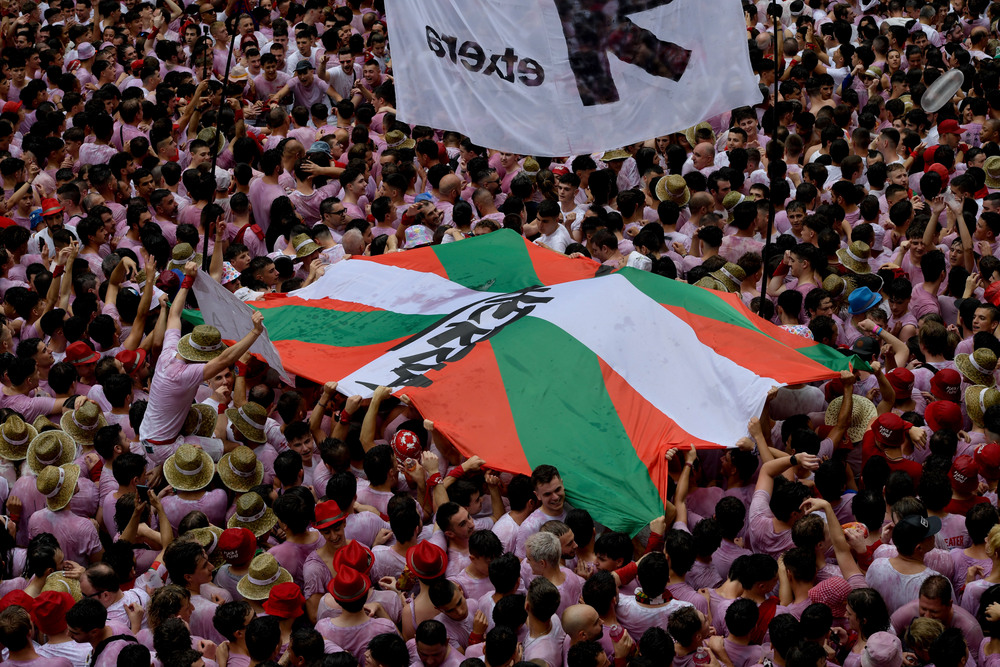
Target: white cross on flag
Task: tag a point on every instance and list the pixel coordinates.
(564, 77)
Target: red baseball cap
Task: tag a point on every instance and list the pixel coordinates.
(355, 556)
(944, 415)
(285, 601)
(988, 460)
(80, 353)
(17, 598)
(946, 385)
(49, 614)
(11, 106)
(406, 444)
(427, 560)
(949, 126)
(328, 513)
(992, 293)
(941, 171)
(964, 474)
(901, 380)
(131, 360)
(928, 156)
(237, 545)
(890, 429)
(348, 586)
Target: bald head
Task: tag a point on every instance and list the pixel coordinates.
(701, 202)
(450, 187)
(578, 621)
(979, 36)
(353, 242)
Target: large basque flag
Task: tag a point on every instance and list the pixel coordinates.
(524, 356)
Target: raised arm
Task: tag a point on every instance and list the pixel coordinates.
(319, 410)
(842, 550)
(846, 408)
(368, 425)
(139, 323)
(771, 469)
(234, 352)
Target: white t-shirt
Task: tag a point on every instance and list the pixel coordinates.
(557, 240)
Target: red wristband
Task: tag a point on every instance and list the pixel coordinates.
(241, 369)
(59, 271)
(781, 270)
(239, 114)
(457, 472)
(187, 282)
(345, 417)
(433, 480)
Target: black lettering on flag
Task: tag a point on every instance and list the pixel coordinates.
(591, 35)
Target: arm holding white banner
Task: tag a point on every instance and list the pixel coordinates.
(233, 318)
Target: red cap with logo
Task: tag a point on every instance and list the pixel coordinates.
(890, 429)
(901, 380)
(946, 385)
(406, 444)
(988, 460)
(964, 474)
(237, 545)
(944, 415)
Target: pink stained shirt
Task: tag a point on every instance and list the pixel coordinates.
(923, 302)
(637, 618)
(474, 588)
(763, 538)
(355, 639)
(292, 555)
(214, 504)
(387, 563)
(362, 526)
(452, 659)
(76, 535)
(39, 662)
(171, 393)
(261, 196)
(897, 589)
(548, 647)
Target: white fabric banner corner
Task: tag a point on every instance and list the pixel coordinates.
(566, 77)
(223, 310)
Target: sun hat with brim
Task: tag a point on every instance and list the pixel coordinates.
(992, 169)
(978, 367)
(673, 188)
(304, 246)
(862, 300)
(863, 413)
(59, 582)
(883, 649)
(83, 423)
(731, 201)
(285, 601)
(355, 556)
(396, 139)
(731, 276)
(131, 360)
(418, 235)
(80, 353)
(349, 585)
(181, 255)
(15, 436)
(328, 513)
(51, 207)
(203, 344)
(200, 421)
(50, 448)
(616, 154)
(426, 560)
(689, 133)
(189, 468)
(708, 282)
(209, 134)
(253, 514)
(208, 538)
(838, 286)
(43, 423)
(855, 257)
(58, 485)
(240, 470)
(978, 398)
(249, 419)
(264, 574)
(229, 273)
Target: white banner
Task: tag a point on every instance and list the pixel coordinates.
(224, 311)
(565, 77)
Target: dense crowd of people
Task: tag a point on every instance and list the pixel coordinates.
(169, 500)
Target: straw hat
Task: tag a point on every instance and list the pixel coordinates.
(60, 583)
(855, 257)
(690, 132)
(530, 167)
(978, 367)
(15, 436)
(264, 574)
(674, 188)
(249, 419)
(977, 399)
(203, 344)
(208, 538)
(731, 201)
(253, 514)
(83, 422)
(396, 139)
(58, 485)
(189, 468)
(708, 282)
(181, 255)
(863, 414)
(992, 169)
(730, 276)
(240, 470)
(50, 448)
(209, 134)
(616, 154)
(200, 421)
(304, 246)
(838, 285)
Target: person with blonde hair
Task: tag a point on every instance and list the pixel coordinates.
(919, 637)
(974, 590)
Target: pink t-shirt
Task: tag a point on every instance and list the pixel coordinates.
(760, 527)
(548, 647)
(387, 563)
(76, 535)
(896, 588)
(171, 392)
(292, 555)
(637, 618)
(923, 302)
(214, 504)
(354, 639)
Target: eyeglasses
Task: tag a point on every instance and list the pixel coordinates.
(92, 595)
(339, 212)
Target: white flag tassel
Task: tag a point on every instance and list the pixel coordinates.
(565, 77)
